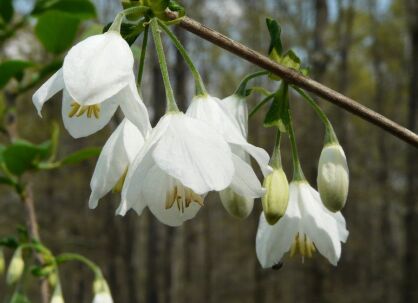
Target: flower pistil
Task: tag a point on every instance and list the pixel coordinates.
(303, 245)
(182, 196)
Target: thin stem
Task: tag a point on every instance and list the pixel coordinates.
(297, 169)
(200, 86)
(330, 136)
(171, 102)
(142, 57)
(259, 105)
(276, 159)
(67, 257)
(242, 87)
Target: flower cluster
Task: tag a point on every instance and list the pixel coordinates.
(170, 168)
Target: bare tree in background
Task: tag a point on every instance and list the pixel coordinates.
(411, 217)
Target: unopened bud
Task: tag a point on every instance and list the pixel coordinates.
(16, 268)
(333, 177)
(2, 262)
(236, 205)
(101, 291)
(277, 195)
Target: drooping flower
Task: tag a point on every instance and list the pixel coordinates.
(333, 177)
(307, 226)
(181, 161)
(229, 118)
(117, 153)
(96, 77)
(101, 291)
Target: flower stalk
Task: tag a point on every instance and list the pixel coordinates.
(200, 87)
(171, 102)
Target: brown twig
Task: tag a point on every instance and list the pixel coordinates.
(26, 194)
(293, 77)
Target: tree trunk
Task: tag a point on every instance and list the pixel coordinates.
(411, 217)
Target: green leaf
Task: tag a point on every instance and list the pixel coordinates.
(81, 9)
(9, 242)
(291, 60)
(22, 155)
(275, 39)
(12, 69)
(81, 155)
(6, 10)
(278, 114)
(176, 7)
(56, 30)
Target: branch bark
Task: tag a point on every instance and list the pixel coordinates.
(293, 77)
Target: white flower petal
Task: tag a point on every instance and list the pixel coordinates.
(272, 242)
(196, 155)
(83, 126)
(134, 108)
(207, 109)
(245, 181)
(138, 170)
(156, 198)
(320, 226)
(132, 140)
(237, 108)
(97, 68)
(114, 159)
(52, 86)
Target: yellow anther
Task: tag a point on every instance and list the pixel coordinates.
(118, 187)
(91, 110)
(74, 109)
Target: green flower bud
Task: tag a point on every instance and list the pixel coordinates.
(333, 177)
(16, 268)
(2, 262)
(236, 205)
(277, 195)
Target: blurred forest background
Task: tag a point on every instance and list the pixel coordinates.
(365, 49)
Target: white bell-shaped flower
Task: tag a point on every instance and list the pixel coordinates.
(333, 177)
(237, 205)
(182, 159)
(96, 77)
(307, 226)
(117, 153)
(231, 123)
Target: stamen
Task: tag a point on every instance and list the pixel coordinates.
(74, 109)
(183, 197)
(303, 245)
(91, 110)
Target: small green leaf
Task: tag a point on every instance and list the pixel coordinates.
(81, 155)
(81, 9)
(6, 10)
(12, 69)
(291, 60)
(22, 155)
(275, 39)
(9, 242)
(56, 30)
(176, 7)
(278, 114)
